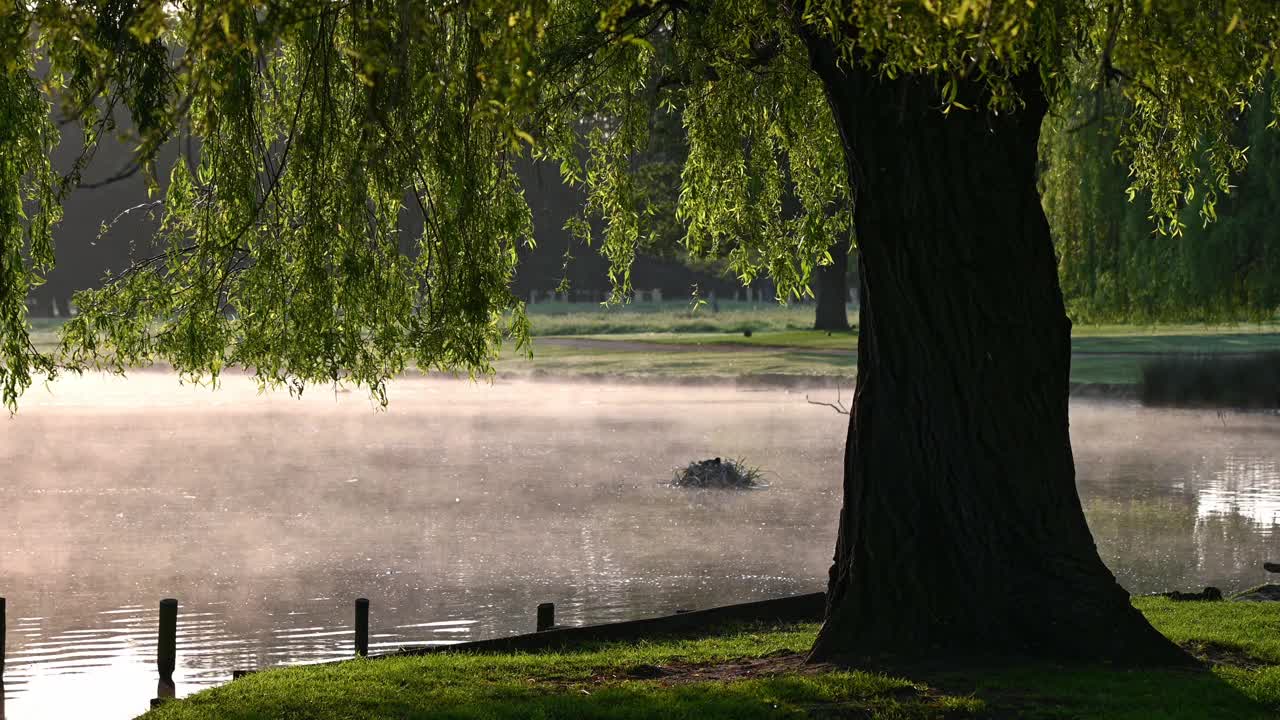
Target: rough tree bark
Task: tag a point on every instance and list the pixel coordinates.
(962, 530)
(833, 291)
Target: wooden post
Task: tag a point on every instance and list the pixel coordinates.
(362, 626)
(167, 641)
(1, 648)
(546, 616)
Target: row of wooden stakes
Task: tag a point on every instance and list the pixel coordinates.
(167, 639)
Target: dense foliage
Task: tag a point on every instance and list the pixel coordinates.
(1112, 263)
(319, 127)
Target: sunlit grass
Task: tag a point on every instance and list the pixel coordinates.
(557, 361)
(1249, 627)
(600, 681)
(782, 346)
(669, 317)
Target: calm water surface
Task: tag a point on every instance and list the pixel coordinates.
(462, 506)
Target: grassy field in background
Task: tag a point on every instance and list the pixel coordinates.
(756, 672)
(807, 339)
(782, 342)
(557, 361)
(668, 317)
(783, 347)
(767, 365)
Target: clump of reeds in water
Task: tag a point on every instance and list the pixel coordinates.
(1229, 381)
(717, 473)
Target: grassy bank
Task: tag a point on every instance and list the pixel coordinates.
(684, 343)
(660, 365)
(669, 317)
(1106, 359)
(758, 673)
(670, 341)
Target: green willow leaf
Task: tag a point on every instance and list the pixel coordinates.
(352, 207)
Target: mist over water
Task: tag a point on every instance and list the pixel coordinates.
(463, 505)
(1179, 499)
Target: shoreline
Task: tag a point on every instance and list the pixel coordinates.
(758, 669)
(748, 381)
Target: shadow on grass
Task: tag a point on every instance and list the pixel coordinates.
(1122, 694)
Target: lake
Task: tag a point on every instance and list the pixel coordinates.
(462, 506)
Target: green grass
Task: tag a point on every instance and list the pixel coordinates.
(44, 332)
(807, 339)
(600, 681)
(1106, 354)
(1233, 342)
(1249, 627)
(678, 317)
(591, 362)
(1162, 330)
(1084, 340)
(1114, 370)
(783, 348)
(667, 317)
(1102, 360)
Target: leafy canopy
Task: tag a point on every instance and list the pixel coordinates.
(1113, 267)
(323, 132)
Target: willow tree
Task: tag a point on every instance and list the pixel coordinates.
(1112, 265)
(320, 126)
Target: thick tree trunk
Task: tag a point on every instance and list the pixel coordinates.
(833, 291)
(962, 529)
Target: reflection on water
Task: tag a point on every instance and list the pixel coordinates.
(1180, 499)
(462, 507)
(1243, 487)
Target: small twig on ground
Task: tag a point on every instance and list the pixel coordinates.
(838, 405)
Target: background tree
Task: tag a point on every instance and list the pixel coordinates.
(279, 248)
(831, 290)
(1111, 263)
